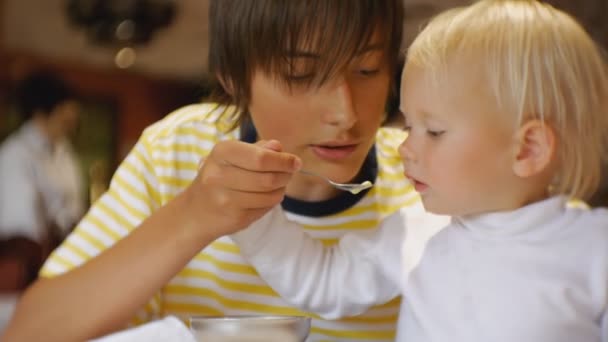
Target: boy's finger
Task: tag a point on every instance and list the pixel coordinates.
(255, 182)
(261, 157)
(274, 145)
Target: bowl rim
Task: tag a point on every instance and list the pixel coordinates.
(249, 318)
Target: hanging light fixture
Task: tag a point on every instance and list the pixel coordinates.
(121, 23)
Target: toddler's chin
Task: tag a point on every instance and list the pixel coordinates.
(436, 209)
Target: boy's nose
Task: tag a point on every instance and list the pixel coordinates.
(341, 110)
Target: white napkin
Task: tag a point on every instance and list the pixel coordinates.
(169, 329)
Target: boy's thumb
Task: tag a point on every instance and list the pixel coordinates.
(274, 145)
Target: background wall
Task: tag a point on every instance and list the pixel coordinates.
(40, 27)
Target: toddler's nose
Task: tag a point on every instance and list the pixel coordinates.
(406, 152)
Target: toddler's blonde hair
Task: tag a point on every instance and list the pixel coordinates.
(539, 63)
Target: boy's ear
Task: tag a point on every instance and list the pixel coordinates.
(535, 148)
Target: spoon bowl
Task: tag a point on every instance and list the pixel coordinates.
(353, 188)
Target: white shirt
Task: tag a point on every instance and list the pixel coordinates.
(536, 274)
(39, 184)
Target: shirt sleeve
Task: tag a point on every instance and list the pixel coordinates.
(20, 211)
(604, 327)
(362, 270)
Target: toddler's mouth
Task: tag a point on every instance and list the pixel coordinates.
(418, 185)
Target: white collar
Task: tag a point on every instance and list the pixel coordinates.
(532, 217)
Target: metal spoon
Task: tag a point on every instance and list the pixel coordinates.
(353, 188)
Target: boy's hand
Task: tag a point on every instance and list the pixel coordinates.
(239, 182)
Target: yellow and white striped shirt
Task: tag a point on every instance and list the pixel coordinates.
(218, 281)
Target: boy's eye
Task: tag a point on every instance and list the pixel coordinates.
(368, 68)
(300, 78)
(368, 72)
(300, 70)
(369, 63)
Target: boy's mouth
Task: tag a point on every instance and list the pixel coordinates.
(333, 151)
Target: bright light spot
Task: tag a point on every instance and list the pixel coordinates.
(125, 30)
(125, 58)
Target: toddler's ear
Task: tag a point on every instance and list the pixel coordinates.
(535, 148)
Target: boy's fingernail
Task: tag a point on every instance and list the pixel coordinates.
(274, 145)
(297, 163)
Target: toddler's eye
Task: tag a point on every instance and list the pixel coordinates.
(434, 134)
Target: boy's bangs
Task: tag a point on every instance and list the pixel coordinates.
(313, 41)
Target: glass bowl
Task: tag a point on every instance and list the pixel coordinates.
(250, 328)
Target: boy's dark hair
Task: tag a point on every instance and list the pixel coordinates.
(41, 92)
(249, 35)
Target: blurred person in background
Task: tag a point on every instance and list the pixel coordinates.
(40, 180)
